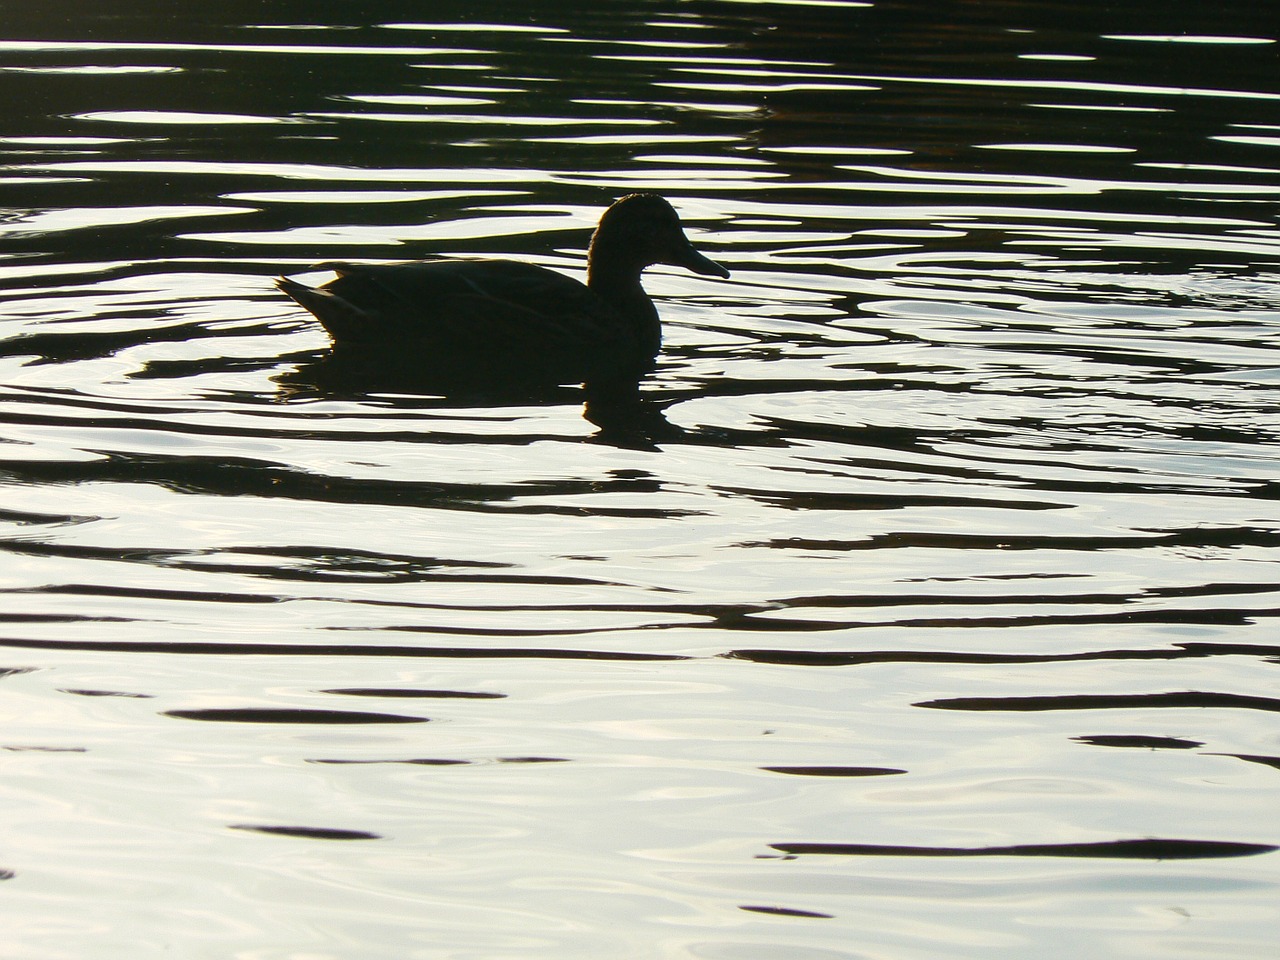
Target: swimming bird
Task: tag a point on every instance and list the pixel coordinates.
(506, 319)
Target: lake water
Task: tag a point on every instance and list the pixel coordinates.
(933, 619)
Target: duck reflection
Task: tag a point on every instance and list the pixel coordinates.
(616, 406)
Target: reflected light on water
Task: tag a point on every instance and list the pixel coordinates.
(919, 605)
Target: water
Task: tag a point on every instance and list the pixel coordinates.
(933, 618)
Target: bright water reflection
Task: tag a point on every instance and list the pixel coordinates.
(928, 616)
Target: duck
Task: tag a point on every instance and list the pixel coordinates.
(504, 319)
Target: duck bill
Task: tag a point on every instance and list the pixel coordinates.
(691, 259)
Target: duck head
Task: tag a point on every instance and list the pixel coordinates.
(640, 230)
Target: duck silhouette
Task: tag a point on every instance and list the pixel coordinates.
(506, 321)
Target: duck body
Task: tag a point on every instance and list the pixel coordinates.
(511, 320)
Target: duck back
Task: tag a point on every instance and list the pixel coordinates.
(477, 311)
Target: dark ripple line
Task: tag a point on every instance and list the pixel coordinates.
(137, 420)
(307, 833)
(1145, 849)
(444, 762)
(1138, 741)
(1193, 537)
(836, 771)
(787, 912)
(881, 501)
(740, 617)
(296, 574)
(334, 650)
(93, 345)
(719, 612)
(822, 658)
(864, 601)
(1106, 701)
(24, 518)
(492, 631)
(289, 715)
(974, 466)
(13, 748)
(409, 694)
(61, 618)
(1216, 617)
(107, 693)
(191, 560)
(1273, 762)
(143, 593)
(236, 477)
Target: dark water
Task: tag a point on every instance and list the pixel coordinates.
(932, 617)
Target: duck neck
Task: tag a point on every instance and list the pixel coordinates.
(612, 280)
(617, 283)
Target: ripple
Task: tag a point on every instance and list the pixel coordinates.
(1146, 849)
(974, 430)
(93, 70)
(174, 117)
(1187, 38)
(289, 715)
(1083, 701)
(307, 833)
(399, 692)
(836, 771)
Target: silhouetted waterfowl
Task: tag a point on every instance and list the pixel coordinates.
(504, 319)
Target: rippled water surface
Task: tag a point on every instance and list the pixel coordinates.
(928, 613)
